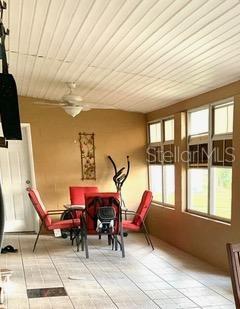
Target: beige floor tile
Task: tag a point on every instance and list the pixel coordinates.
(210, 300)
(176, 303)
(18, 302)
(51, 303)
(164, 278)
(221, 307)
(136, 305)
(197, 291)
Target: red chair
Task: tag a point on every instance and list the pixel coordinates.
(89, 219)
(233, 252)
(46, 220)
(138, 221)
(77, 196)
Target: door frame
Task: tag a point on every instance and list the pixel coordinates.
(32, 169)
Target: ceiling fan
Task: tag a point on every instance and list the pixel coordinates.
(73, 103)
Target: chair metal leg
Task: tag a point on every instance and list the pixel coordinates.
(147, 236)
(82, 239)
(109, 239)
(112, 242)
(86, 245)
(77, 239)
(122, 243)
(71, 236)
(35, 244)
(115, 242)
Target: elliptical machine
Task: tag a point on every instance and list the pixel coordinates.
(119, 178)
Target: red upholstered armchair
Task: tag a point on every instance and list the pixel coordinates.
(137, 223)
(46, 220)
(77, 196)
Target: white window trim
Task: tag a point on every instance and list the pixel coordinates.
(222, 135)
(208, 139)
(195, 136)
(195, 140)
(219, 137)
(162, 143)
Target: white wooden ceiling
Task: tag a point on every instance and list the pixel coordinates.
(138, 55)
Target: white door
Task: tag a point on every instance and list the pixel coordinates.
(15, 175)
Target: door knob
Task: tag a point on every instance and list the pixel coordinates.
(28, 182)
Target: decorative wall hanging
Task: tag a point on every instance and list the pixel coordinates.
(87, 148)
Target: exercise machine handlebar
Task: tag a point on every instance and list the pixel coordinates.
(119, 178)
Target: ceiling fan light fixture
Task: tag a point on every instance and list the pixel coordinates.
(73, 110)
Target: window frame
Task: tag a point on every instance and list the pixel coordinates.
(221, 135)
(162, 144)
(197, 109)
(148, 133)
(211, 206)
(207, 138)
(163, 131)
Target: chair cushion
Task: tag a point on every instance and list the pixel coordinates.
(143, 208)
(130, 226)
(39, 206)
(77, 194)
(64, 224)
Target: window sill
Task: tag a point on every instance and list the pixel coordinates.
(163, 205)
(206, 217)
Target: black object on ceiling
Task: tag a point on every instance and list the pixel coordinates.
(8, 91)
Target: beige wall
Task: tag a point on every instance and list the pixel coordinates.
(57, 155)
(204, 238)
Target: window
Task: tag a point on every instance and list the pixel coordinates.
(155, 132)
(155, 177)
(223, 118)
(221, 192)
(169, 130)
(161, 161)
(210, 160)
(169, 184)
(198, 189)
(198, 122)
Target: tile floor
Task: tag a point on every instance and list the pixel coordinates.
(164, 278)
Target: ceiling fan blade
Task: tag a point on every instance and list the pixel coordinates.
(90, 105)
(56, 104)
(86, 108)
